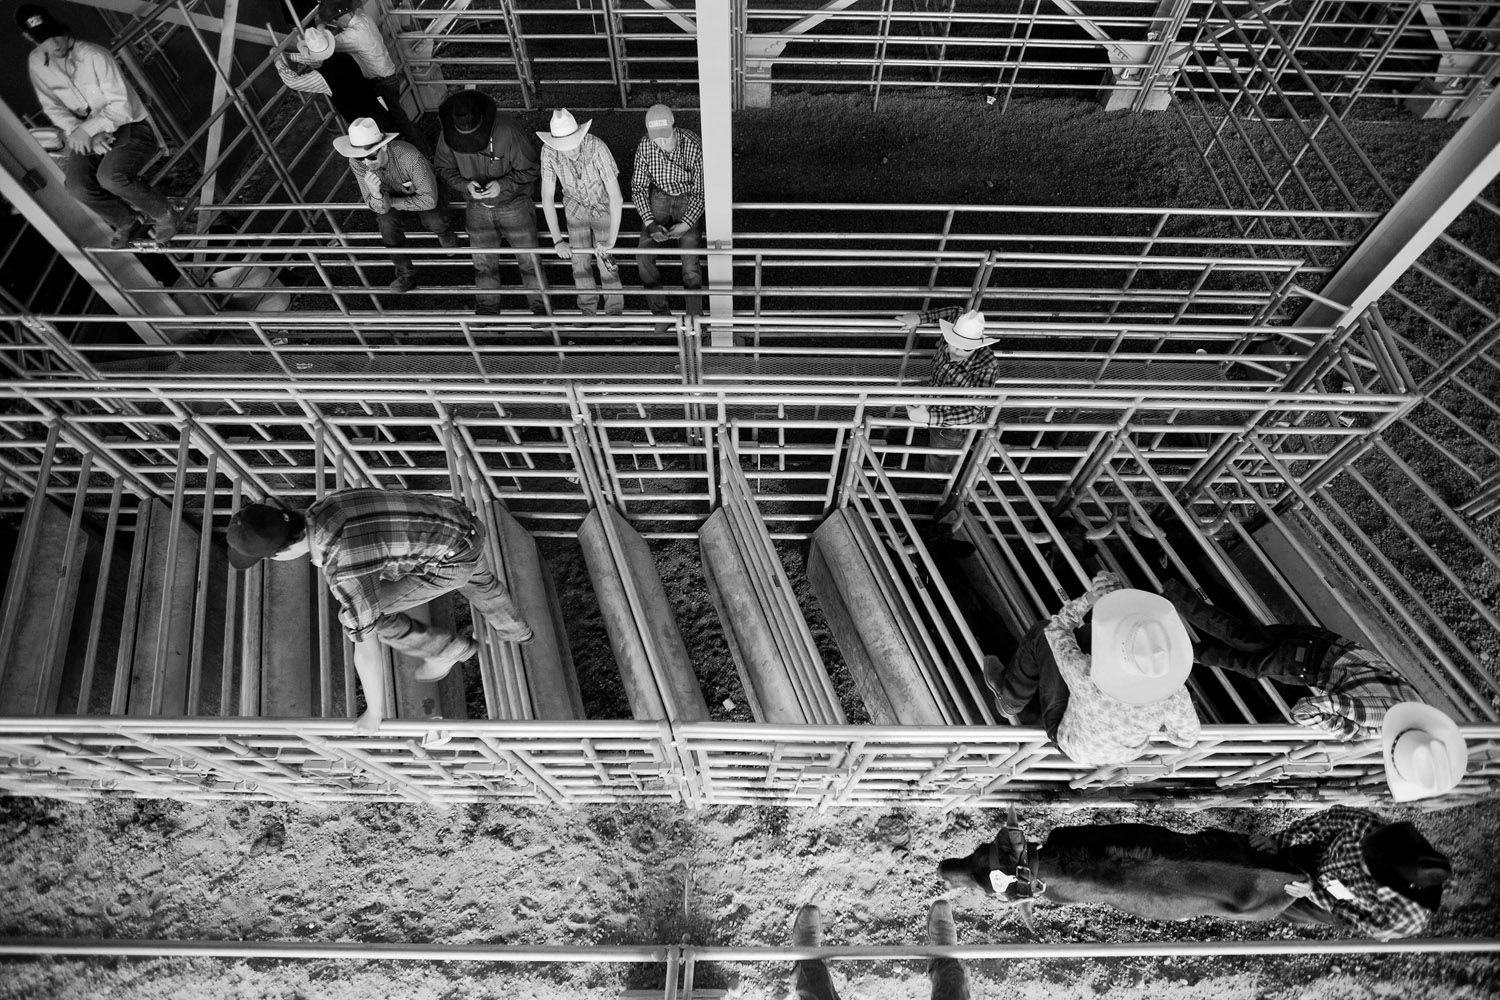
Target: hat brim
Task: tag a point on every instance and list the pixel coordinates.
(1435, 723)
(348, 149)
(243, 560)
(1108, 673)
(958, 340)
(566, 142)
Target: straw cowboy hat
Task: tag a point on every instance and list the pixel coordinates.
(316, 44)
(967, 332)
(566, 133)
(363, 139)
(1425, 754)
(1141, 651)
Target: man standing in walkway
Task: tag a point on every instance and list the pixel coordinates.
(583, 165)
(484, 155)
(384, 552)
(357, 35)
(963, 359)
(398, 184)
(667, 187)
(321, 70)
(107, 129)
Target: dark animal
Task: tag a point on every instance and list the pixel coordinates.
(1145, 870)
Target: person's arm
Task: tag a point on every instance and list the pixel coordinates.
(1072, 661)
(369, 665)
(1320, 827)
(420, 192)
(57, 112)
(693, 214)
(1319, 713)
(447, 171)
(370, 187)
(616, 204)
(311, 82)
(1180, 721)
(96, 62)
(549, 209)
(523, 167)
(911, 320)
(640, 185)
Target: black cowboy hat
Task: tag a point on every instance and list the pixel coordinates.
(1400, 858)
(467, 118)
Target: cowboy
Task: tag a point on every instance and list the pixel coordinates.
(399, 186)
(489, 159)
(1104, 707)
(321, 70)
(382, 553)
(1352, 688)
(107, 129)
(810, 978)
(586, 169)
(667, 188)
(963, 359)
(1381, 879)
(356, 34)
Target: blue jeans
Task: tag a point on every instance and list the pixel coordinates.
(949, 980)
(516, 222)
(394, 223)
(667, 209)
(112, 184)
(945, 437)
(585, 229)
(468, 572)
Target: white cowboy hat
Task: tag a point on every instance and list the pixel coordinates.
(967, 332)
(1425, 754)
(566, 133)
(316, 43)
(1141, 651)
(363, 139)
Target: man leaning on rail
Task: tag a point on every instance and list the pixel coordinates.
(384, 552)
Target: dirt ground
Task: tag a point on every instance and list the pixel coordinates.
(618, 876)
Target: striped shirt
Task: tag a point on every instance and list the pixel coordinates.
(584, 178)
(404, 165)
(362, 537)
(1374, 909)
(361, 39)
(679, 172)
(1352, 694)
(1097, 729)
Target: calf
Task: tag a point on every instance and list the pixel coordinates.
(1148, 871)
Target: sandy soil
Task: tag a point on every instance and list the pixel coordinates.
(729, 876)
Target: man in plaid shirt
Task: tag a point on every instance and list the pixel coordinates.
(1381, 879)
(1352, 688)
(963, 359)
(667, 187)
(382, 553)
(398, 184)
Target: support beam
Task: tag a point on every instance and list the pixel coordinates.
(677, 17)
(761, 52)
(33, 183)
(1451, 182)
(716, 102)
(134, 8)
(221, 94)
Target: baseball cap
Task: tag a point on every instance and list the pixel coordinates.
(659, 121)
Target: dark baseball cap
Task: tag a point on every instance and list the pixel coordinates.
(37, 24)
(257, 531)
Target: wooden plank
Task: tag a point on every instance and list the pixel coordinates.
(288, 648)
(48, 597)
(550, 676)
(164, 621)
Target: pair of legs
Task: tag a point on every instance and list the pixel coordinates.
(112, 184)
(810, 978)
(1294, 654)
(585, 230)
(667, 209)
(515, 223)
(393, 225)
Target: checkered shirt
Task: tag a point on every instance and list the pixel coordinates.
(978, 370)
(584, 177)
(403, 163)
(1351, 699)
(364, 536)
(679, 172)
(1375, 909)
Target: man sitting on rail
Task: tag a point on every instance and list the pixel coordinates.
(1105, 706)
(382, 553)
(321, 70)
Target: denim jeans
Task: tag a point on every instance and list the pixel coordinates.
(667, 209)
(112, 184)
(470, 574)
(388, 89)
(584, 231)
(949, 980)
(394, 223)
(1294, 654)
(516, 222)
(952, 438)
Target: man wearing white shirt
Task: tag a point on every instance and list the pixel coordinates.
(355, 33)
(106, 127)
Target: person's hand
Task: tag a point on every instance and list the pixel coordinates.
(657, 232)
(1261, 842)
(1104, 581)
(80, 141)
(372, 185)
(909, 321)
(489, 190)
(678, 231)
(563, 247)
(918, 412)
(103, 143)
(1298, 890)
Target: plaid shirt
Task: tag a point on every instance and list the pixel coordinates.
(979, 369)
(1343, 885)
(1351, 698)
(404, 165)
(584, 177)
(679, 172)
(362, 537)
